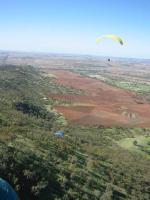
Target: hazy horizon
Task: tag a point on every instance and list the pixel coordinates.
(72, 55)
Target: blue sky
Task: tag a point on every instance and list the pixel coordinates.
(72, 26)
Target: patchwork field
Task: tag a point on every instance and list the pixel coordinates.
(101, 103)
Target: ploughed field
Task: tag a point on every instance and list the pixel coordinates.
(100, 103)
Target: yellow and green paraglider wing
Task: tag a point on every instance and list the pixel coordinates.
(111, 36)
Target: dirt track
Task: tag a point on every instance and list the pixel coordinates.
(102, 104)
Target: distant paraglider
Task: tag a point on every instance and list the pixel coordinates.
(111, 36)
(59, 134)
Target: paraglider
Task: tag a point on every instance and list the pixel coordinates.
(59, 134)
(6, 191)
(111, 36)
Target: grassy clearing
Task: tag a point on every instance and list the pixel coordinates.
(139, 144)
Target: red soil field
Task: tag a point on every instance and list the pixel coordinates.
(101, 104)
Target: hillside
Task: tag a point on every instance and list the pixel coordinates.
(90, 162)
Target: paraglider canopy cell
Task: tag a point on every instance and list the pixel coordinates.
(6, 191)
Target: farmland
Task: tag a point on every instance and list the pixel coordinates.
(119, 90)
(101, 104)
